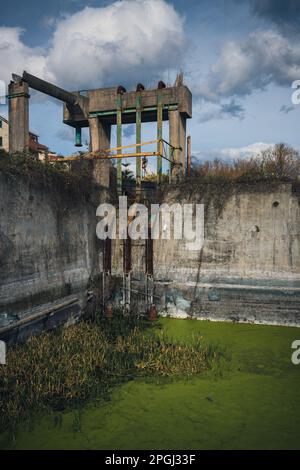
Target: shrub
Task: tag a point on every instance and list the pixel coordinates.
(280, 162)
(72, 182)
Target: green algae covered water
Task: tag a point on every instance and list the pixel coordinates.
(250, 401)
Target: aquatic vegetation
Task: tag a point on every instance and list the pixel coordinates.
(248, 399)
(65, 368)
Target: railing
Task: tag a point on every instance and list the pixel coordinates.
(108, 153)
(165, 151)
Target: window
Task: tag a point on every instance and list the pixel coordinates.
(1, 142)
(0, 123)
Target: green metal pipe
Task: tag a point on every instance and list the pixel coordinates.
(159, 135)
(119, 142)
(170, 107)
(138, 141)
(78, 142)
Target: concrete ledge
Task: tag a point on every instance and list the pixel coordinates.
(43, 318)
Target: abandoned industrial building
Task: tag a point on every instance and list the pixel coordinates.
(150, 231)
(57, 271)
(251, 260)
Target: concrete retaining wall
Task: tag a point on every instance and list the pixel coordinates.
(249, 268)
(48, 246)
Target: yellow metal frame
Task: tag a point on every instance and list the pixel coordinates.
(107, 153)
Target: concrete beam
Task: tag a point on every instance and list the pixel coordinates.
(18, 110)
(102, 102)
(49, 89)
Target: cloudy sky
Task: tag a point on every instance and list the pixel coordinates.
(239, 58)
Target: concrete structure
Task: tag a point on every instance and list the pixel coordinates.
(18, 108)
(249, 267)
(48, 249)
(4, 134)
(99, 109)
(247, 270)
(100, 134)
(101, 112)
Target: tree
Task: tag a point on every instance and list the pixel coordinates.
(281, 161)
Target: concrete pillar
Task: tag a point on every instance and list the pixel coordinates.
(177, 138)
(18, 109)
(100, 140)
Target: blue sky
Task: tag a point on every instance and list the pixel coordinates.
(239, 58)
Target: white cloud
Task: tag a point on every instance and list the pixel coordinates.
(264, 57)
(15, 55)
(125, 42)
(232, 153)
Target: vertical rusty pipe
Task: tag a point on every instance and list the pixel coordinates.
(151, 308)
(127, 255)
(107, 256)
(149, 253)
(106, 272)
(127, 266)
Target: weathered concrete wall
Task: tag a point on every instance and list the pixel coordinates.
(249, 267)
(48, 245)
(250, 233)
(18, 111)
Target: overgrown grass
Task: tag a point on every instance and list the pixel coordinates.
(73, 183)
(65, 368)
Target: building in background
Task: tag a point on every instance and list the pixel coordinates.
(4, 133)
(41, 151)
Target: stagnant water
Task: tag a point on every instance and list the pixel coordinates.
(251, 401)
